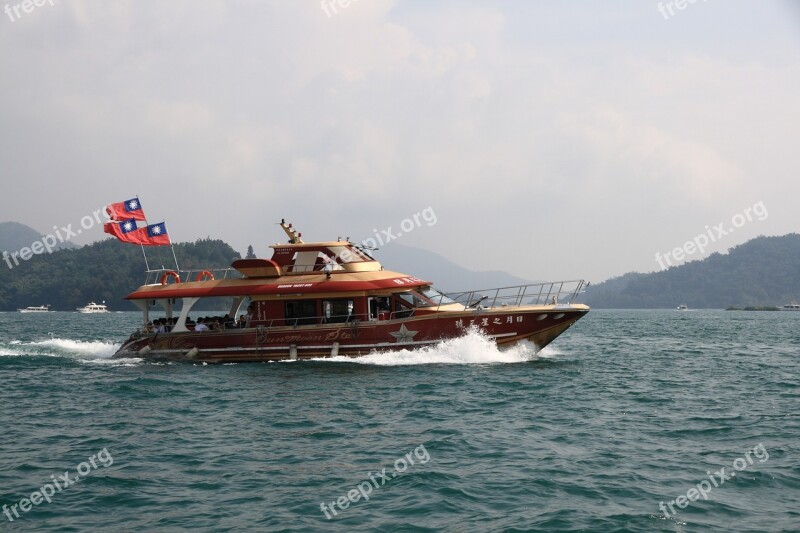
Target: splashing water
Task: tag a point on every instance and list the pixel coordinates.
(62, 347)
(472, 348)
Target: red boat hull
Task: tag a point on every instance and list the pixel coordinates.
(539, 325)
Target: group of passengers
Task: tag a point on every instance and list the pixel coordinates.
(206, 323)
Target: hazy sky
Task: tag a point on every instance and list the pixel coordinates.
(550, 139)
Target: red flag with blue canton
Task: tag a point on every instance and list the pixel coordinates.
(157, 235)
(129, 209)
(126, 231)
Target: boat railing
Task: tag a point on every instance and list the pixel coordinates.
(556, 292)
(160, 276)
(311, 268)
(352, 319)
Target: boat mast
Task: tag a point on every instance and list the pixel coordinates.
(294, 236)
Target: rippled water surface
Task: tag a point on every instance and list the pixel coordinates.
(628, 409)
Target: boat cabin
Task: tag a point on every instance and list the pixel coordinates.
(303, 284)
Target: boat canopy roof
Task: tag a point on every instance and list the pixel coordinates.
(296, 267)
(317, 283)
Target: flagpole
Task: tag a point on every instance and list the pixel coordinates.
(172, 247)
(146, 264)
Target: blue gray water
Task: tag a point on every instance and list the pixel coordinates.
(627, 410)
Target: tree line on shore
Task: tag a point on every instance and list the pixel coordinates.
(105, 270)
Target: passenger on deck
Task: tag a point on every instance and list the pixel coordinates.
(160, 325)
(251, 309)
(149, 328)
(242, 321)
(201, 326)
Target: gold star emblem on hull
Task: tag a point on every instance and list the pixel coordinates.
(403, 334)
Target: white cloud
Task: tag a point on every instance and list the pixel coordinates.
(576, 130)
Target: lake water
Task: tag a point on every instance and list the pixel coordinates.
(626, 413)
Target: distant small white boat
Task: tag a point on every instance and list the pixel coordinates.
(682, 307)
(35, 309)
(92, 307)
(794, 306)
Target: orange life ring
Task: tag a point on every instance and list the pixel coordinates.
(204, 274)
(170, 274)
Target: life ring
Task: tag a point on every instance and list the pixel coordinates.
(202, 275)
(170, 274)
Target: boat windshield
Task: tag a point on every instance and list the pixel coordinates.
(435, 296)
(348, 254)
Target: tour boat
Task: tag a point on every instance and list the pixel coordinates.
(794, 306)
(683, 307)
(326, 299)
(35, 309)
(92, 307)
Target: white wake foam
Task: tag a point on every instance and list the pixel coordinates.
(472, 348)
(61, 347)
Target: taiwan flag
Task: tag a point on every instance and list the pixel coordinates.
(126, 231)
(129, 209)
(156, 235)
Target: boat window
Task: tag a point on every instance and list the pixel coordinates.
(435, 296)
(348, 254)
(402, 308)
(340, 310)
(300, 312)
(304, 261)
(414, 299)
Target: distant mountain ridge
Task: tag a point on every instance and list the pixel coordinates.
(761, 272)
(15, 236)
(764, 271)
(108, 270)
(444, 274)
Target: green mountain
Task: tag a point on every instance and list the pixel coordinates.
(764, 271)
(105, 270)
(108, 270)
(15, 236)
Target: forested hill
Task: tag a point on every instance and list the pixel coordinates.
(762, 272)
(106, 270)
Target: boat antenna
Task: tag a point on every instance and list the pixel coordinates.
(294, 236)
(364, 249)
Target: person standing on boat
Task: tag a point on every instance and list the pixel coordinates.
(250, 311)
